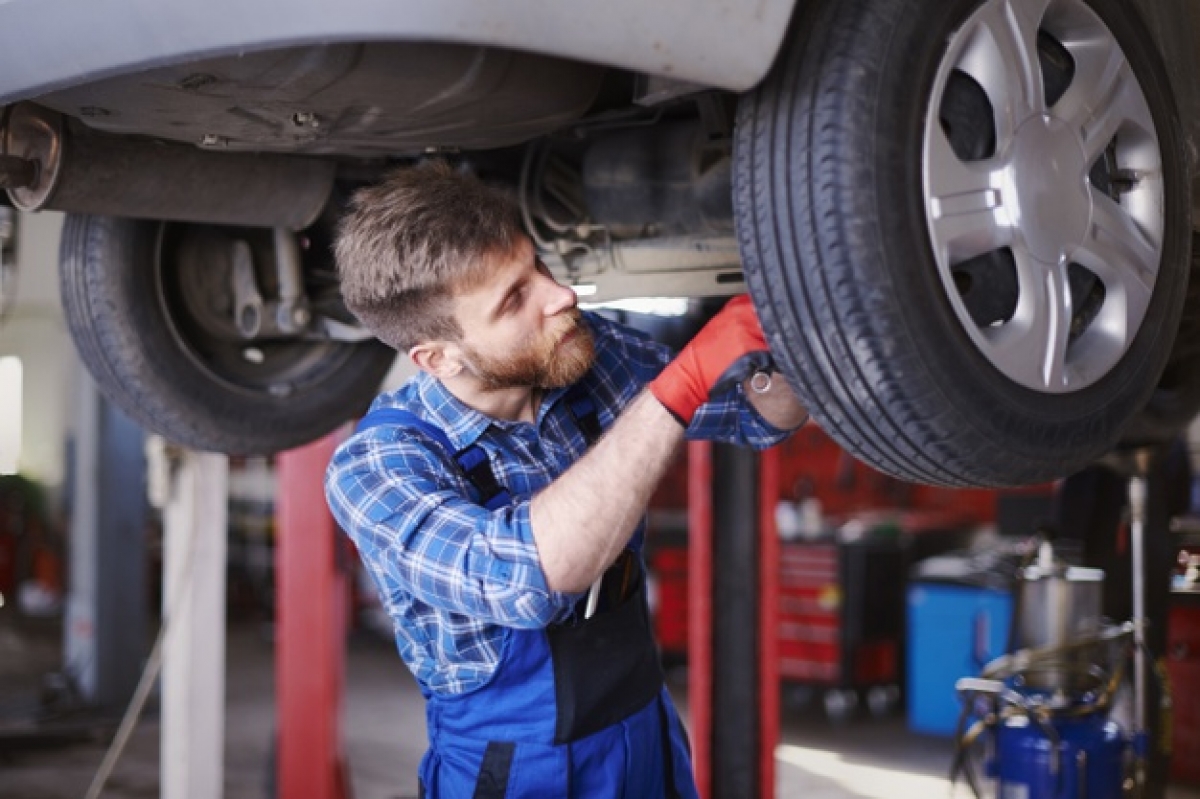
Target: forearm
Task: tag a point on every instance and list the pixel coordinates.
(778, 405)
(583, 520)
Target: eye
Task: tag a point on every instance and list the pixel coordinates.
(515, 300)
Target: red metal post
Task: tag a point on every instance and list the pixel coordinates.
(768, 619)
(700, 533)
(311, 605)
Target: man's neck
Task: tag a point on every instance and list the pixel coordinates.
(518, 404)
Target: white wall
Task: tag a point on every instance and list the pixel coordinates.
(36, 333)
(402, 369)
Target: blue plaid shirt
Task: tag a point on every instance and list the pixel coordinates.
(451, 574)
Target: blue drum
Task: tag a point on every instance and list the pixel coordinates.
(1090, 763)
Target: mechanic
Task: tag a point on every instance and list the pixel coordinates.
(498, 498)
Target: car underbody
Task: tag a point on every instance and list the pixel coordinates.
(1002, 196)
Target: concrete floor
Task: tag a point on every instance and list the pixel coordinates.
(867, 758)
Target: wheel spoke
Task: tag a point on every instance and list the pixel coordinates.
(966, 203)
(1055, 329)
(1002, 56)
(1125, 259)
(1117, 245)
(1103, 97)
(1032, 347)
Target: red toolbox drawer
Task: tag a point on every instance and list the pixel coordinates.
(841, 612)
(1183, 669)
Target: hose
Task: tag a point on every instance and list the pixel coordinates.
(130, 718)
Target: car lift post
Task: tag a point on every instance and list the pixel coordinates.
(193, 647)
(311, 612)
(733, 673)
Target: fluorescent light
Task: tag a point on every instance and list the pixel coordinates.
(585, 289)
(658, 306)
(10, 413)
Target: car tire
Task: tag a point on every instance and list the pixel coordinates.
(120, 287)
(839, 164)
(1176, 399)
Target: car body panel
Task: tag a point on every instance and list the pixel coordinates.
(728, 44)
(372, 99)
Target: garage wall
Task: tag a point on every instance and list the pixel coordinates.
(37, 334)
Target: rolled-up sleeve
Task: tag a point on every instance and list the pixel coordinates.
(730, 419)
(411, 518)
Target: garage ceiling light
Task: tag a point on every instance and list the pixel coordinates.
(10, 414)
(658, 306)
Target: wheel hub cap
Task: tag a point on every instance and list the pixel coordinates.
(1044, 191)
(1048, 162)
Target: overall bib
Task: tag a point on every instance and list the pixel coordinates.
(575, 711)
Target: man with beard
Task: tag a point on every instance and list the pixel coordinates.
(498, 498)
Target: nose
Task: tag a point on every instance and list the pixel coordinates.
(559, 298)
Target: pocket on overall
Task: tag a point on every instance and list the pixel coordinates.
(605, 668)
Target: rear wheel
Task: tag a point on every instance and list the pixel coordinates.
(965, 226)
(153, 312)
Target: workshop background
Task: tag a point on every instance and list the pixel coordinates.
(884, 594)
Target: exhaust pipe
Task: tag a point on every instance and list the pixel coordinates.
(48, 163)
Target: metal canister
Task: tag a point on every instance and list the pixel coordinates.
(1058, 605)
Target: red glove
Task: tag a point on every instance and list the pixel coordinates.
(727, 350)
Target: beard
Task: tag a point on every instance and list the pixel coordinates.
(556, 360)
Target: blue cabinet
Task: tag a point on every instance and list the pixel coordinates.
(953, 631)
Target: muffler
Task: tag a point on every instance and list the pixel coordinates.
(50, 163)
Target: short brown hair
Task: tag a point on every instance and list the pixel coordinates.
(407, 243)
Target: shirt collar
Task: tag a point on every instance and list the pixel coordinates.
(462, 424)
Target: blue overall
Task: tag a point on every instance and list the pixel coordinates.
(613, 731)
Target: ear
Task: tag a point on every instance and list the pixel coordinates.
(441, 359)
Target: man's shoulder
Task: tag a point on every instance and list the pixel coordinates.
(421, 396)
(398, 417)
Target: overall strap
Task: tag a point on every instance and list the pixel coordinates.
(583, 410)
(472, 459)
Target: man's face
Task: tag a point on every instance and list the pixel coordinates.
(521, 329)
